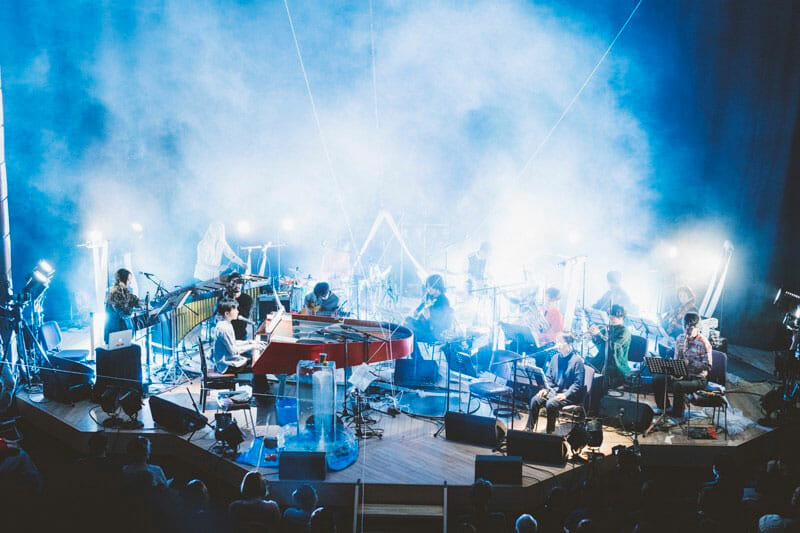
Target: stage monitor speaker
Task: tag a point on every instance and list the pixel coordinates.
(302, 465)
(411, 372)
(626, 414)
(537, 447)
(174, 417)
(66, 381)
(472, 429)
(119, 369)
(499, 469)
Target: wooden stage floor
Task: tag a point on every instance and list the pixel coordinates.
(407, 455)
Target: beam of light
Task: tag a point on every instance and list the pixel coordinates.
(46, 267)
(137, 227)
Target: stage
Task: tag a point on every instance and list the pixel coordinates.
(409, 464)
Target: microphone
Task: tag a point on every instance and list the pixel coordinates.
(146, 274)
(243, 319)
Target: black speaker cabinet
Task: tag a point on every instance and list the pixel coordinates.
(472, 429)
(302, 465)
(625, 414)
(175, 417)
(499, 469)
(66, 381)
(537, 447)
(119, 369)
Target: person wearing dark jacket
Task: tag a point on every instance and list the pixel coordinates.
(563, 384)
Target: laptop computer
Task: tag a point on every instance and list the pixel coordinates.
(120, 339)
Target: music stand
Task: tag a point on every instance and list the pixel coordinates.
(675, 368)
(521, 335)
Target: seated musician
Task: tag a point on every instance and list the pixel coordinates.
(321, 301)
(617, 338)
(696, 351)
(614, 295)
(433, 316)
(120, 303)
(230, 355)
(245, 301)
(564, 384)
(555, 322)
(686, 303)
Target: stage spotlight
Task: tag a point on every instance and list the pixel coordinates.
(45, 268)
(243, 228)
(109, 402)
(574, 237)
(594, 429)
(231, 437)
(672, 252)
(287, 224)
(577, 438)
(131, 403)
(94, 236)
(138, 228)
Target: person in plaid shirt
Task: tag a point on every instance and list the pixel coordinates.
(696, 351)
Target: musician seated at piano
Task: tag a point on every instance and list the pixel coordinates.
(618, 338)
(686, 303)
(321, 301)
(433, 316)
(564, 384)
(614, 295)
(245, 301)
(230, 355)
(120, 303)
(695, 350)
(554, 320)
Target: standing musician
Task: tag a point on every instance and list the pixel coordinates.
(230, 355)
(432, 316)
(614, 295)
(120, 303)
(564, 384)
(210, 250)
(321, 301)
(686, 303)
(555, 322)
(245, 301)
(696, 351)
(476, 267)
(617, 340)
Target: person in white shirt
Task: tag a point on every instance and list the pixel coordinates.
(229, 354)
(210, 250)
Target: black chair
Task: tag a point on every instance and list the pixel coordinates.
(577, 411)
(213, 380)
(714, 394)
(50, 336)
(497, 390)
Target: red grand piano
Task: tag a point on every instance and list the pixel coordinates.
(294, 337)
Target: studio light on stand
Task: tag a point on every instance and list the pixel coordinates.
(131, 403)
